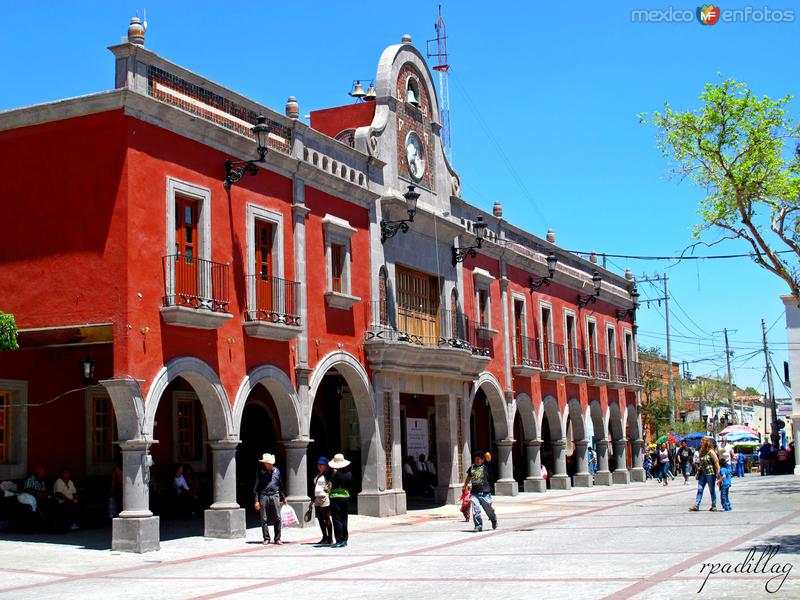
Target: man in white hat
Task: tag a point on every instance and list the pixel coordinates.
(269, 495)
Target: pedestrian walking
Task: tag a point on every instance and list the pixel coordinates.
(724, 482)
(707, 474)
(478, 476)
(740, 465)
(663, 463)
(592, 459)
(341, 482)
(764, 453)
(647, 465)
(269, 495)
(685, 461)
(322, 501)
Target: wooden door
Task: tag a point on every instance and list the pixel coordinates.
(265, 290)
(186, 250)
(418, 305)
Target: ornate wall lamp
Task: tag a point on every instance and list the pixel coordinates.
(459, 254)
(591, 298)
(552, 261)
(236, 169)
(621, 314)
(87, 370)
(390, 228)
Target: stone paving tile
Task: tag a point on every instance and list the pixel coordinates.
(619, 542)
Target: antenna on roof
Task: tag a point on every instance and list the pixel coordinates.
(443, 66)
(144, 20)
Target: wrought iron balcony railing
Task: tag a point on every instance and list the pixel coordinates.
(577, 362)
(528, 352)
(445, 328)
(195, 283)
(554, 358)
(600, 366)
(272, 299)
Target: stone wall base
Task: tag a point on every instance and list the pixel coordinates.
(448, 494)
(537, 485)
(603, 478)
(560, 482)
(136, 534)
(506, 487)
(226, 524)
(582, 480)
(373, 503)
(637, 474)
(621, 476)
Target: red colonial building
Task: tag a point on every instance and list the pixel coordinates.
(284, 307)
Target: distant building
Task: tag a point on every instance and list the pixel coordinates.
(793, 337)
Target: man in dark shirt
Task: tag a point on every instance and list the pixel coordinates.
(685, 461)
(764, 454)
(478, 475)
(269, 495)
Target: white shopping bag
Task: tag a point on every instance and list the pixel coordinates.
(288, 516)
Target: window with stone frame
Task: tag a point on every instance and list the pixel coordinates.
(339, 261)
(337, 267)
(5, 427)
(104, 429)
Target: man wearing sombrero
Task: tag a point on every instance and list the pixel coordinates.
(269, 496)
(341, 482)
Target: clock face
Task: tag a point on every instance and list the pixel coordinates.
(415, 155)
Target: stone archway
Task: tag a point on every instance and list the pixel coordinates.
(531, 444)
(603, 475)
(617, 430)
(553, 443)
(373, 499)
(575, 417)
(487, 386)
(269, 388)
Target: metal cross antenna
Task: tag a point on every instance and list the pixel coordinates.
(670, 384)
(728, 354)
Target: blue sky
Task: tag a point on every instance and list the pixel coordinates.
(555, 88)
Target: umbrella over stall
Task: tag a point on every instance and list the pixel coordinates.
(669, 438)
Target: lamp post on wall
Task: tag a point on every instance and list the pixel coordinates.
(591, 298)
(459, 254)
(236, 169)
(535, 284)
(87, 370)
(390, 228)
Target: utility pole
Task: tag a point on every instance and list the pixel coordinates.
(728, 354)
(670, 383)
(771, 400)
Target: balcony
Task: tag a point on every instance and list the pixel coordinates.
(445, 344)
(527, 357)
(195, 292)
(600, 373)
(272, 308)
(578, 368)
(619, 373)
(554, 363)
(634, 381)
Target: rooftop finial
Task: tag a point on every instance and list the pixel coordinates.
(406, 39)
(136, 32)
(550, 237)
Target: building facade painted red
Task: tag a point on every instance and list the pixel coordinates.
(285, 313)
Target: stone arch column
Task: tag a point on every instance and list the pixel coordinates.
(293, 433)
(632, 419)
(617, 430)
(603, 475)
(532, 445)
(558, 480)
(582, 477)
(505, 485)
(374, 499)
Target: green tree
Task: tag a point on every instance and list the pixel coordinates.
(738, 149)
(8, 332)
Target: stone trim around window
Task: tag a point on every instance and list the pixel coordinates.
(338, 231)
(17, 467)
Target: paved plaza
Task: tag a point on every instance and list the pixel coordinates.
(634, 541)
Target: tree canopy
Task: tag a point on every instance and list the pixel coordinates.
(740, 150)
